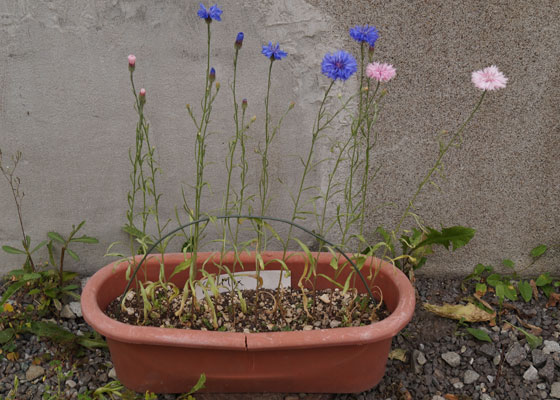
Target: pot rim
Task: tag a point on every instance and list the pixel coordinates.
(191, 338)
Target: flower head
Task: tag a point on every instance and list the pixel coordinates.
(131, 62)
(273, 51)
(365, 33)
(239, 40)
(142, 96)
(380, 72)
(338, 65)
(212, 76)
(489, 78)
(213, 13)
(244, 104)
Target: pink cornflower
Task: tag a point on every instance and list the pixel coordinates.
(143, 92)
(131, 60)
(380, 72)
(489, 78)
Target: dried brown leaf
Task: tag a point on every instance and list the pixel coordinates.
(469, 312)
(535, 289)
(398, 354)
(553, 299)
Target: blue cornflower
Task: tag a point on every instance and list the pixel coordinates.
(365, 33)
(213, 13)
(338, 65)
(239, 40)
(273, 51)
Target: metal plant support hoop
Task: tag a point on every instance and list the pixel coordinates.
(208, 219)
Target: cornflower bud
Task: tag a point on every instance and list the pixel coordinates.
(253, 118)
(212, 76)
(131, 62)
(142, 95)
(239, 41)
(292, 104)
(244, 104)
(218, 85)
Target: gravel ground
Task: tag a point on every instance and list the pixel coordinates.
(442, 362)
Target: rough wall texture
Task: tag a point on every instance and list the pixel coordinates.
(65, 102)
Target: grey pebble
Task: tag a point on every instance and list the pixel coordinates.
(470, 377)
(452, 358)
(547, 372)
(550, 346)
(539, 358)
(531, 374)
(555, 390)
(515, 354)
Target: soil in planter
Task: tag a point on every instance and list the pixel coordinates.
(331, 309)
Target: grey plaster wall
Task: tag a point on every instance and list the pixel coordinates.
(65, 101)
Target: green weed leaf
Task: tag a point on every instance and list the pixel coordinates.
(85, 239)
(199, 385)
(12, 250)
(72, 254)
(457, 236)
(525, 290)
(538, 251)
(508, 263)
(479, 334)
(56, 237)
(543, 279)
(14, 287)
(6, 335)
(44, 242)
(494, 279)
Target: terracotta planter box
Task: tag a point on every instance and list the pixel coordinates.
(165, 360)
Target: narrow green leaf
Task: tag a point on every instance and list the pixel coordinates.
(538, 251)
(181, 267)
(44, 242)
(479, 334)
(199, 385)
(56, 237)
(525, 290)
(12, 250)
(72, 254)
(532, 340)
(85, 239)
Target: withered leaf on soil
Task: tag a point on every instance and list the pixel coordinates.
(535, 289)
(398, 354)
(535, 330)
(553, 299)
(468, 312)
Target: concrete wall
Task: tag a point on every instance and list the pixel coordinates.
(65, 101)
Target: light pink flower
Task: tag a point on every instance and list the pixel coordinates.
(143, 92)
(489, 78)
(131, 60)
(380, 72)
